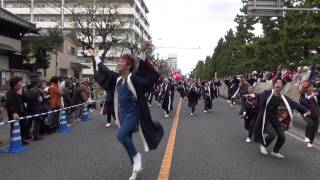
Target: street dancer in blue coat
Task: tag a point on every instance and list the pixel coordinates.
(130, 103)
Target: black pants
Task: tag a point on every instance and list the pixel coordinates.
(249, 122)
(207, 103)
(275, 129)
(192, 105)
(55, 119)
(312, 127)
(110, 112)
(36, 126)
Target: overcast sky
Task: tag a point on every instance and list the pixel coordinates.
(190, 24)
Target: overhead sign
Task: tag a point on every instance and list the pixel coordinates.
(269, 8)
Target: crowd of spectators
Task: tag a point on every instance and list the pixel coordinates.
(40, 96)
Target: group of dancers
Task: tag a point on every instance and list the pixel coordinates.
(164, 92)
(130, 90)
(269, 114)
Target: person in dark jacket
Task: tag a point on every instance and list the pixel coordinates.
(34, 100)
(309, 99)
(108, 107)
(193, 97)
(274, 118)
(167, 98)
(182, 89)
(77, 99)
(249, 111)
(45, 107)
(172, 86)
(15, 106)
(67, 99)
(207, 98)
(215, 93)
(130, 88)
(234, 90)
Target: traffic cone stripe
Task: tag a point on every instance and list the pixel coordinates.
(63, 123)
(16, 138)
(16, 131)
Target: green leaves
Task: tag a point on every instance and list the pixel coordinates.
(292, 39)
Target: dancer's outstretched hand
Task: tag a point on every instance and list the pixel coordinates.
(93, 52)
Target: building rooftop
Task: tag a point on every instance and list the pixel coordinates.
(25, 26)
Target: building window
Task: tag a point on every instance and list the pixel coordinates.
(72, 50)
(63, 72)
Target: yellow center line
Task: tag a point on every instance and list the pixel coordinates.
(167, 158)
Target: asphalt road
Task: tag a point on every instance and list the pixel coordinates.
(208, 147)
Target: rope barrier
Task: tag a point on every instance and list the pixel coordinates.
(49, 112)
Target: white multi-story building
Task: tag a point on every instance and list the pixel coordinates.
(172, 61)
(50, 13)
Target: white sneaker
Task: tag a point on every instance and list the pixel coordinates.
(234, 103)
(149, 105)
(263, 150)
(108, 125)
(159, 104)
(166, 116)
(69, 125)
(228, 101)
(309, 145)
(191, 114)
(307, 140)
(205, 111)
(134, 175)
(278, 155)
(248, 140)
(137, 163)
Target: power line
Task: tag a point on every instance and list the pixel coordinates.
(172, 47)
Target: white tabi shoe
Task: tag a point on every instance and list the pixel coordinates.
(137, 166)
(307, 140)
(137, 163)
(248, 140)
(309, 145)
(263, 150)
(278, 155)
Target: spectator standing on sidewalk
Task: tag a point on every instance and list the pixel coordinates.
(15, 106)
(77, 99)
(34, 100)
(67, 100)
(55, 101)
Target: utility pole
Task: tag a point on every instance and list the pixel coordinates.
(31, 12)
(62, 14)
(93, 26)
